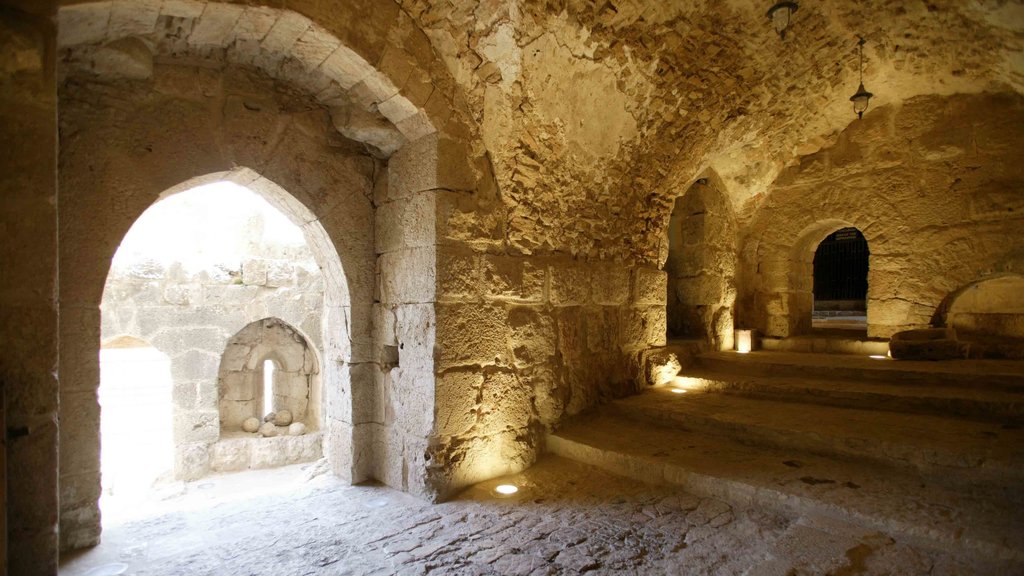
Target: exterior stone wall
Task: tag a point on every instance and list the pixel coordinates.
(202, 320)
(28, 288)
(934, 185)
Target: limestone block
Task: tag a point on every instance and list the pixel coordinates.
(570, 284)
(649, 286)
(192, 461)
(194, 365)
(506, 404)
(346, 67)
(290, 26)
(254, 272)
(280, 274)
(550, 397)
(609, 284)
(643, 327)
(408, 276)
(410, 391)
(229, 455)
(397, 108)
(472, 334)
(182, 8)
(79, 412)
(367, 391)
(196, 426)
(415, 326)
(533, 337)
(254, 24)
(184, 395)
(430, 163)
(267, 454)
(513, 278)
(82, 24)
(602, 324)
(314, 46)
(409, 222)
(460, 276)
(455, 405)
(215, 25)
(661, 366)
(133, 18)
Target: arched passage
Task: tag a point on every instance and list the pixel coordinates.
(701, 267)
(802, 272)
(145, 108)
(841, 281)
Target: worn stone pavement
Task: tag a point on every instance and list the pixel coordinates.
(567, 519)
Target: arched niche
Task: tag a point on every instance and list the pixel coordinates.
(989, 310)
(701, 267)
(293, 380)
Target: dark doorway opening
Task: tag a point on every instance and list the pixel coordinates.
(841, 281)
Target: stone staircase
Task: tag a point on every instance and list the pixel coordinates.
(932, 453)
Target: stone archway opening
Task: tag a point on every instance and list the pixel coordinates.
(213, 260)
(701, 268)
(840, 269)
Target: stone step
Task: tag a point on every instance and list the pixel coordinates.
(827, 345)
(979, 403)
(1006, 375)
(957, 452)
(897, 501)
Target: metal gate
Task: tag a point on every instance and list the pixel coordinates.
(841, 267)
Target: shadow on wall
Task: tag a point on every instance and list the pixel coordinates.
(701, 267)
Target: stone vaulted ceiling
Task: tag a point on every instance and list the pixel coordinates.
(596, 115)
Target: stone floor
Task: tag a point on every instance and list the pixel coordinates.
(567, 519)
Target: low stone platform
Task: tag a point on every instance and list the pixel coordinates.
(837, 343)
(243, 451)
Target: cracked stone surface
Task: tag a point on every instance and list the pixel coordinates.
(567, 519)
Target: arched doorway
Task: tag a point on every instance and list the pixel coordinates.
(841, 281)
(196, 267)
(701, 267)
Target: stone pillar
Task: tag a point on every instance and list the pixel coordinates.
(28, 258)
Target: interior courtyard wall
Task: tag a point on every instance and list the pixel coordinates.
(190, 315)
(126, 142)
(28, 286)
(935, 187)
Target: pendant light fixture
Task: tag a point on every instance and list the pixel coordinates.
(780, 15)
(861, 97)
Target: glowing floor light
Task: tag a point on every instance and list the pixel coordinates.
(506, 489)
(879, 357)
(678, 391)
(744, 341)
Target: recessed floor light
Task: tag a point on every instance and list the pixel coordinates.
(678, 391)
(505, 489)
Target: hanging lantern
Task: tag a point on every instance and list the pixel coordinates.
(780, 15)
(861, 98)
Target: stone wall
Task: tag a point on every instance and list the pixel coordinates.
(119, 155)
(28, 286)
(197, 317)
(934, 185)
